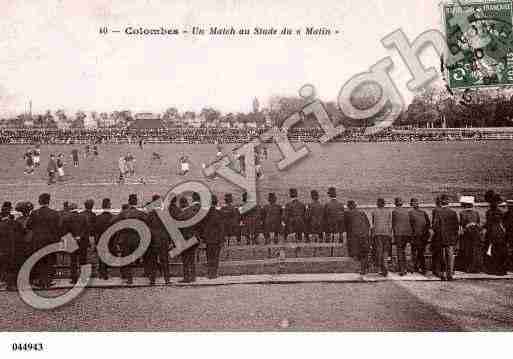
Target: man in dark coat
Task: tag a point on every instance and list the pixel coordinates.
(73, 224)
(420, 225)
(508, 224)
(44, 224)
(446, 225)
(231, 219)
(435, 242)
(272, 217)
(315, 217)
(334, 217)
(189, 255)
(157, 255)
(5, 214)
(86, 223)
(51, 169)
(12, 247)
(102, 223)
(129, 238)
(358, 235)
(250, 221)
(401, 228)
(213, 237)
(294, 216)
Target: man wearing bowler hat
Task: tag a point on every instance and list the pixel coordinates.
(272, 216)
(334, 217)
(314, 217)
(102, 223)
(129, 238)
(446, 225)
(231, 219)
(44, 224)
(294, 216)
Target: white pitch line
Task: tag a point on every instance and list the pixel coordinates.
(79, 184)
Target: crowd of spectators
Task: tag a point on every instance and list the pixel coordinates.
(217, 135)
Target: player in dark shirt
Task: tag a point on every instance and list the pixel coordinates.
(74, 156)
(29, 162)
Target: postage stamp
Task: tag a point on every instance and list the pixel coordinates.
(487, 46)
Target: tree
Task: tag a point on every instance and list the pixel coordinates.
(210, 114)
(171, 117)
(281, 107)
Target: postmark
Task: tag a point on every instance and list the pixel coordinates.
(485, 48)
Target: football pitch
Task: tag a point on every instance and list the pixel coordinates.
(359, 171)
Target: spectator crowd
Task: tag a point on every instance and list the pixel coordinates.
(212, 135)
(464, 241)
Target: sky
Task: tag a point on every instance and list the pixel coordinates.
(51, 52)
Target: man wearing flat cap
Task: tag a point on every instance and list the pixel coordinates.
(294, 216)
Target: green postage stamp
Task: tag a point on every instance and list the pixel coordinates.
(487, 46)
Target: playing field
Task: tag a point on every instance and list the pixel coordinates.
(360, 171)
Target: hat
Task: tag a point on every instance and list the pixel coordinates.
(23, 207)
(6, 206)
(332, 192)
(132, 199)
(89, 204)
(106, 203)
(44, 198)
(271, 197)
(467, 200)
(293, 193)
(214, 200)
(444, 200)
(72, 206)
(228, 198)
(314, 194)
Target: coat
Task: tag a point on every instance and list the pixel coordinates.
(129, 238)
(102, 223)
(334, 216)
(159, 235)
(272, 217)
(315, 217)
(44, 224)
(358, 233)
(294, 216)
(213, 227)
(231, 220)
(446, 226)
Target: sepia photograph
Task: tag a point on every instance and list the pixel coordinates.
(255, 167)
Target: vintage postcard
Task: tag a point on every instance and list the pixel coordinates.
(254, 166)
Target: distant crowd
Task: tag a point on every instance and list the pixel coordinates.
(464, 240)
(210, 135)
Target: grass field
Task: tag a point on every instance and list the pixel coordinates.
(360, 171)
